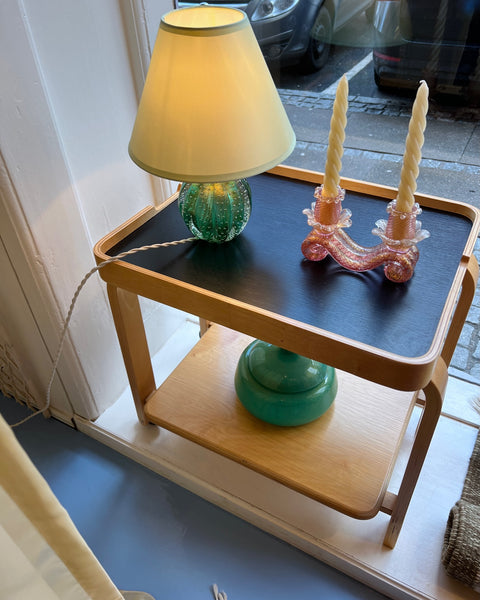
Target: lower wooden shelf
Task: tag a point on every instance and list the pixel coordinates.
(344, 459)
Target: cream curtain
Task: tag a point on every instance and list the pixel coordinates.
(43, 556)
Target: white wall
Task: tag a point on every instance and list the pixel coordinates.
(68, 97)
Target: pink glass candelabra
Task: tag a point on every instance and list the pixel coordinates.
(399, 235)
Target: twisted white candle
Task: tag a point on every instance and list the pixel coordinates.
(335, 140)
(413, 151)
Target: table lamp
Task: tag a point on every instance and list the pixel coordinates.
(209, 117)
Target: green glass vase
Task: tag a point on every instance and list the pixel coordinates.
(281, 387)
(216, 212)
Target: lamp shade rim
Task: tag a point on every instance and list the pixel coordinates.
(172, 21)
(213, 177)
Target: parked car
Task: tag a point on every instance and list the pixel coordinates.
(295, 31)
(415, 40)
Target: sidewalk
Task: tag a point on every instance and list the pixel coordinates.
(373, 151)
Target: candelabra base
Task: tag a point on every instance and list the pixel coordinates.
(399, 234)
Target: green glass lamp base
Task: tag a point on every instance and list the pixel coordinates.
(283, 388)
(216, 212)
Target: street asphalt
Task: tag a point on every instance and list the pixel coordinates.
(373, 151)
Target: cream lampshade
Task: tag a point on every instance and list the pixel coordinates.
(210, 116)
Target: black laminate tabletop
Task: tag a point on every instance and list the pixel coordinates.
(264, 267)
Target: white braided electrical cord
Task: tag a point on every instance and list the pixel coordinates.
(72, 306)
(218, 595)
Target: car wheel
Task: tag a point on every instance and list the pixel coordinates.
(319, 44)
(379, 82)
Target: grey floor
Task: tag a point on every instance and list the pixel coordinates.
(151, 535)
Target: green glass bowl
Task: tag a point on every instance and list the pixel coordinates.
(281, 387)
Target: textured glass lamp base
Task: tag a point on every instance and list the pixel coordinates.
(283, 388)
(216, 212)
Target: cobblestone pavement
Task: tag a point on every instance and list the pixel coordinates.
(380, 106)
(465, 363)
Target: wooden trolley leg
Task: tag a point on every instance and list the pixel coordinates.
(463, 305)
(204, 326)
(434, 393)
(133, 342)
